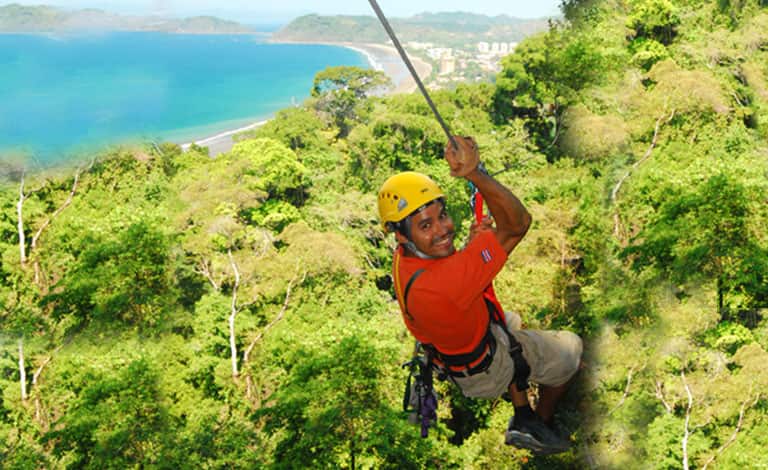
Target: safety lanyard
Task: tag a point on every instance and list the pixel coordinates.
(476, 203)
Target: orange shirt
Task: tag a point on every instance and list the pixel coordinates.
(445, 303)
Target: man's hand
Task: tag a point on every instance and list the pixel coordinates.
(479, 227)
(464, 160)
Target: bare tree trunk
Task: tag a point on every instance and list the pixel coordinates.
(36, 237)
(36, 390)
(626, 391)
(660, 396)
(687, 433)
(248, 386)
(22, 371)
(279, 317)
(721, 299)
(733, 436)
(617, 187)
(233, 314)
(247, 353)
(20, 223)
(205, 270)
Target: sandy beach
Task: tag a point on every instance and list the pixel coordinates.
(221, 142)
(385, 58)
(380, 57)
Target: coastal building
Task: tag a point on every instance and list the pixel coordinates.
(437, 53)
(419, 46)
(495, 49)
(447, 65)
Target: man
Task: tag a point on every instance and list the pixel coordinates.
(441, 295)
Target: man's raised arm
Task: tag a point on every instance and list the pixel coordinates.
(511, 217)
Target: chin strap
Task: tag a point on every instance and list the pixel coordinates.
(419, 254)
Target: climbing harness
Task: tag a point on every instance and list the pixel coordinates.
(420, 400)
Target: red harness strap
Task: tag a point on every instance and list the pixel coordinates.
(489, 293)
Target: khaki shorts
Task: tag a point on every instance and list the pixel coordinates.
(554, 357)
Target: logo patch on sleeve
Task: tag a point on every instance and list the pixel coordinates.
(486, 254)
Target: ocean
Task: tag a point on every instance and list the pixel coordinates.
(63, 96)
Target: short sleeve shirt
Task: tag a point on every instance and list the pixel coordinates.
(445, 302)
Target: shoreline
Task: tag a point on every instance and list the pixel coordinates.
(222, 137)
(389, 61)
(381, 57)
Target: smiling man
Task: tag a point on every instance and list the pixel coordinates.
(441, 295)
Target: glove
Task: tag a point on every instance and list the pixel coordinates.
(464, 160)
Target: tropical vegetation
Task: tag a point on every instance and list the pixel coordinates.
(164, 309)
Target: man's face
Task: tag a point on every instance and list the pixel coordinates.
(432, 231)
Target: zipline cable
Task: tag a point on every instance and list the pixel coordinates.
(404, 56)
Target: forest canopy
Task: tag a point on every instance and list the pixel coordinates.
(161, 308)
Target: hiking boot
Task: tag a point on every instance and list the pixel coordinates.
(534, 435)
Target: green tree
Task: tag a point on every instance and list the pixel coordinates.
(275, 167)
(125, 276)
(646, 52)
(298, 128)
(339, 90)
(737, 9)
(351, 424)
(654, 19)
(706, 230)
(117, 420)
(542, 77)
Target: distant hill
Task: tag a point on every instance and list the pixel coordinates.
(449, 29)
(16, 18)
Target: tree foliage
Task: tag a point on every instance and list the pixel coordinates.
(654, 20)
(634, 132)
(338, 91)
(128, 277)
(707, 232)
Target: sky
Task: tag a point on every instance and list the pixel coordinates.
(282, 11)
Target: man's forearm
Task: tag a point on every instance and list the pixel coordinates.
(511, 217)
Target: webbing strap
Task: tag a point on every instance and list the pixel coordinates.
(476, 203)
(402, 295)
(496, 312)
(522, 369)
(396, 275)
(466, 359)
(408, 288)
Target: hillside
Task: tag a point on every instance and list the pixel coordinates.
(16, 18)
(162, 308)
(446, 29)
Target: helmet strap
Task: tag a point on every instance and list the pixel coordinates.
(419, 254)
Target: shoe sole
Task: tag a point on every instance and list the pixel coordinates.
(526, 441)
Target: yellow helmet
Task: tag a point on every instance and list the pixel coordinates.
(403, 193)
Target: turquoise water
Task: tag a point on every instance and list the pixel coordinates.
(62, 96)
